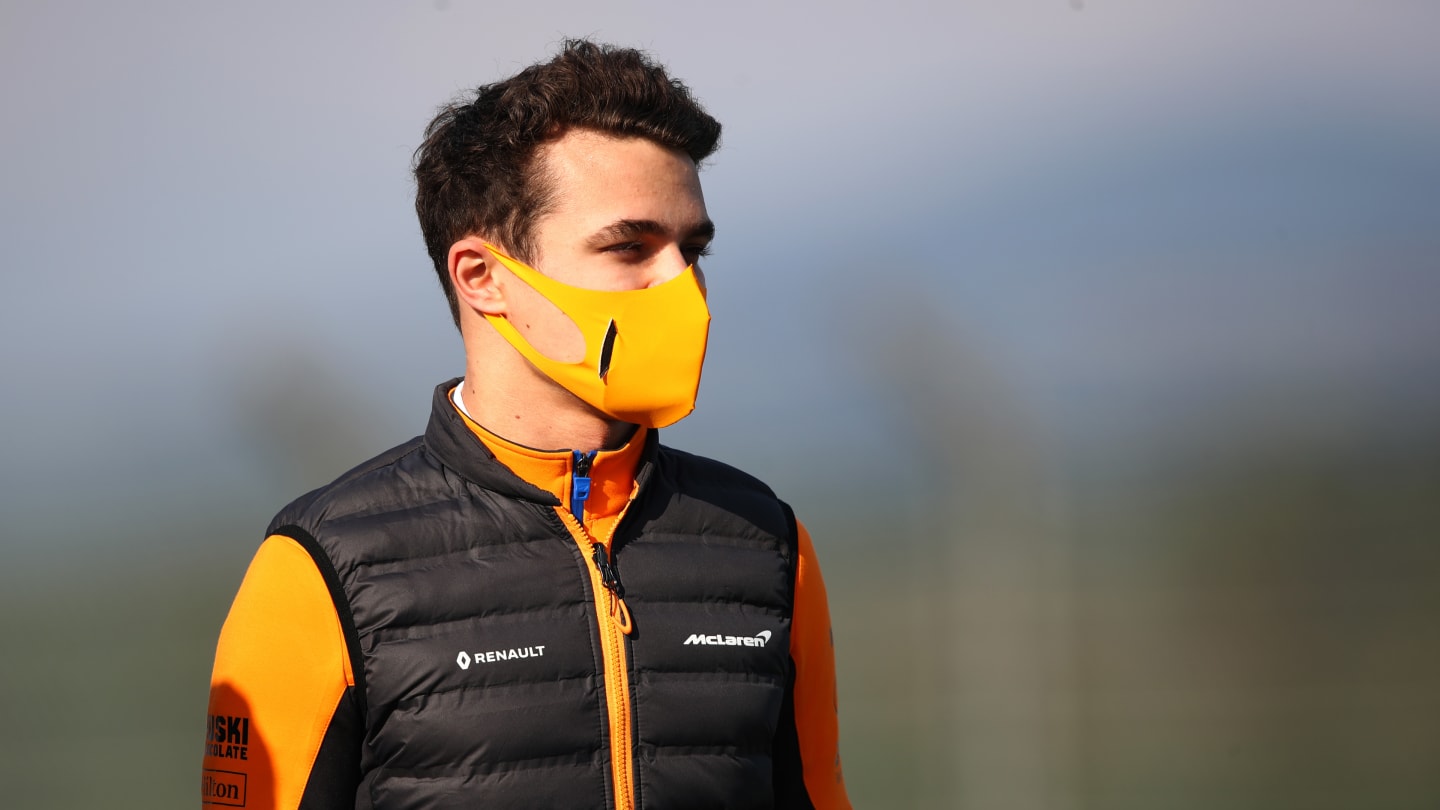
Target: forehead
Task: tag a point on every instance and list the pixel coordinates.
(597, 178)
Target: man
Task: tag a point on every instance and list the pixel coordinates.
(535, 604)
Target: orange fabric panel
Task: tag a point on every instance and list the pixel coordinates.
(280, 670)
(812, 646)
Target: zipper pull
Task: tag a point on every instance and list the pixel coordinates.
(580, 483)
(610, 578)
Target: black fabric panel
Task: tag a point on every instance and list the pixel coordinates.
(705, 780)
(556, 785)
(789, 772)
(495, 729)
(342, 604)
(335, 776)
(708, 711)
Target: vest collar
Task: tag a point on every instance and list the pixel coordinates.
(457, 447)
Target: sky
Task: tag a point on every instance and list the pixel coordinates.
(1109, 215)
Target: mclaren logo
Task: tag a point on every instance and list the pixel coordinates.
(465, 659)
(757, 640)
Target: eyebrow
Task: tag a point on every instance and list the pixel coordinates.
(631, 228)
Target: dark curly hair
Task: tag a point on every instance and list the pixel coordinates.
(476, 170)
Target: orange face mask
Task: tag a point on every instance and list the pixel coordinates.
(643, 348)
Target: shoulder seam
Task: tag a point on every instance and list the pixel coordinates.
(379, 462)
(296, 510)
(737, 478)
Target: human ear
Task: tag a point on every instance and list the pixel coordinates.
(472, 274)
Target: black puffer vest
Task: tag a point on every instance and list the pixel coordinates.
(473, 632)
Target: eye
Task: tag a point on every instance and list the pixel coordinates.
(694, 253)
(625, 247)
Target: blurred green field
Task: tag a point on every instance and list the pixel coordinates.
(1255, 629)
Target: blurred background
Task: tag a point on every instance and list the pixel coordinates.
(1096, 342)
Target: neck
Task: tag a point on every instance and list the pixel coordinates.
(537, 413)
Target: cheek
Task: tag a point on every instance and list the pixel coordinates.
(543, 325)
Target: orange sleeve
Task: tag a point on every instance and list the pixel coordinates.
(281, 670)
(812, 647)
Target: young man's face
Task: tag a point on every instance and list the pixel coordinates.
(627, 214)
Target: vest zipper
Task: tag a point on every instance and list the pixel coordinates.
(613, 618)
(580, 483)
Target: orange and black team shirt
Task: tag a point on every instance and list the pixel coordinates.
(280, 731)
